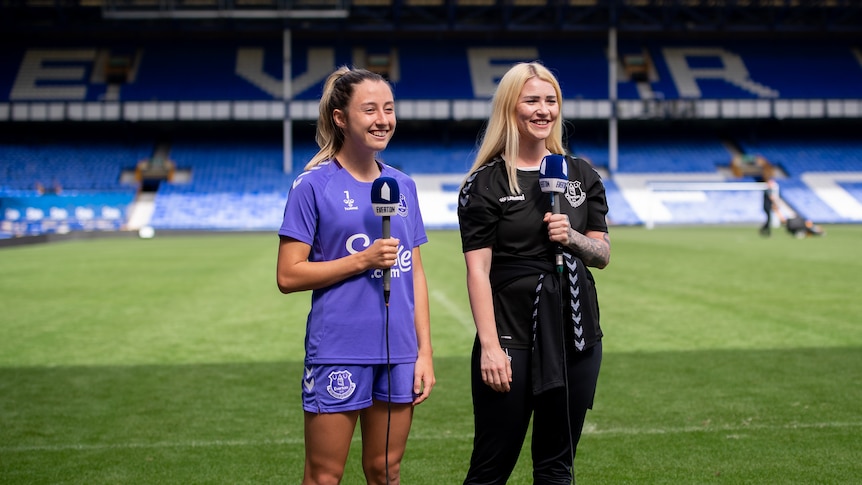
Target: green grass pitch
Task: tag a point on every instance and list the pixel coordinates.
(729, 358)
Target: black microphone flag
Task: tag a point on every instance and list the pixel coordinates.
(385, 196)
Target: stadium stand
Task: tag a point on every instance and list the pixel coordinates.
(696, 88)
(49, 186)
(76, 166)
(232, 186)
(823, 152)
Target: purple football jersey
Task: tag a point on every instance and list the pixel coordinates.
(331, 211)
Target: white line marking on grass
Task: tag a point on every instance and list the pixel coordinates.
(158, 444)
(460, 316)
(591, 429)
(588, 430)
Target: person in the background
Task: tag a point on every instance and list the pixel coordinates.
(537, 350)
(801, 228)
(770, 206)
(796, 225)
(366, 360)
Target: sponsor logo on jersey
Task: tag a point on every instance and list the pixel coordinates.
(403, 259)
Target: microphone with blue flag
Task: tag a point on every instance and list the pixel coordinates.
(553, 179)
(385, 196)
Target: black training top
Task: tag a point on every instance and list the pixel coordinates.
(512, 226)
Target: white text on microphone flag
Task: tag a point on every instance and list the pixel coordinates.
(553, 174)
(385, 196)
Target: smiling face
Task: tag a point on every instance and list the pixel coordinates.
(369, 120)
(537, 109)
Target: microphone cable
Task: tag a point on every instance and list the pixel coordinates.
(561, 283)
(563, 299)
(388, 387)
(385, 199)
(561, 280)
(566, 377)
(553, 179)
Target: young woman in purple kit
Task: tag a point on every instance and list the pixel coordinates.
(366, 360)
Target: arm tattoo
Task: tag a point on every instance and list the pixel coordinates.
(593, 252)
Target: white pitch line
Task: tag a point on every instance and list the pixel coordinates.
(156, 445)
(459, 315)
(588, 430)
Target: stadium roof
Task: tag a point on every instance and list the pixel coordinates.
(442, 16)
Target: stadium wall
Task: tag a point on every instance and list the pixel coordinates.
(447, 81)
(237, 80)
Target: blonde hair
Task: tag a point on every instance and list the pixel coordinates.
(337, 92)
(501, 136)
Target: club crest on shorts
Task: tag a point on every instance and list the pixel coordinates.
(341, 386)
(575, 194)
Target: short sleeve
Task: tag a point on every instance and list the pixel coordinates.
(597, 202)
(478, 212)
(300, 212)
(420, 236)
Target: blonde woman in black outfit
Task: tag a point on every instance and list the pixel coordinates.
(538, 349)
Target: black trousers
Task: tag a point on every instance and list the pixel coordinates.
(766, 228)
(501, 420)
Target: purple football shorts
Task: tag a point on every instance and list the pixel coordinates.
(336, 388)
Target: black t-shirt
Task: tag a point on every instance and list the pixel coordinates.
(511, 225)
